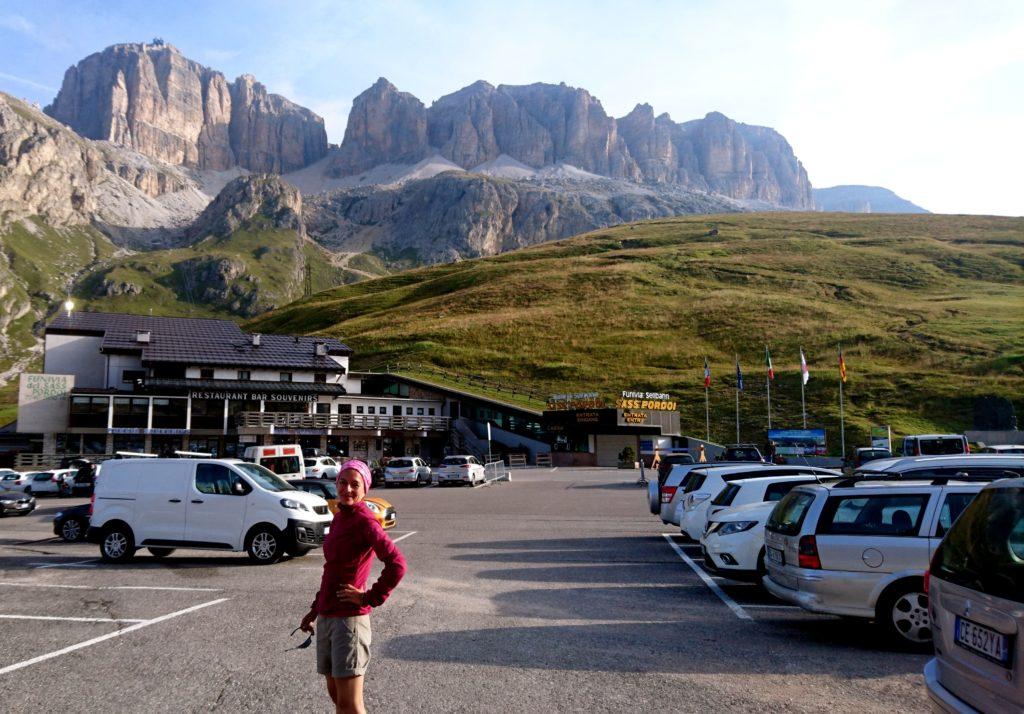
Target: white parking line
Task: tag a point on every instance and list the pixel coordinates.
(730, 603)
(66, 619)
(108, 636)
(108, 587)
(403, 537)
(776, 607)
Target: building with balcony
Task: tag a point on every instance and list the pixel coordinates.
(118, 382)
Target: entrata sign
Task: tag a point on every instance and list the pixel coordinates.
(579, 400)
(655, 401)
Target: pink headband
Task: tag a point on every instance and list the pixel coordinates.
(361, 468)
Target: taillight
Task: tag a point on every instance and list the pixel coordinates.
(927, 580)
(465, 466)
(667, 493)
(808, 553)
(968, 445)
(92, 502)
(917, 449)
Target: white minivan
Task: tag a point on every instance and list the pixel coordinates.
(285, 460)
(211, 504)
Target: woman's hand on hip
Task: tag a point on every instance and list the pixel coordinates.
(351, 595)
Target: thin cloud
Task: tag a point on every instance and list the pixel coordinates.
(27, 82)
(27, 28)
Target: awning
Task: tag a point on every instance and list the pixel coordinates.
(234, 386)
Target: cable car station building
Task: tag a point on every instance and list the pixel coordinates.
(119, 382)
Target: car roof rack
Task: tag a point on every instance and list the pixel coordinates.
(961, 477)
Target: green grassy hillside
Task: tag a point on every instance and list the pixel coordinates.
(928, 309)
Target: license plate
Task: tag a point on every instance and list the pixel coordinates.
(327, 529)
(983, 641)
(776, 556)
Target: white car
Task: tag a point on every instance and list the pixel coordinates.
(14, 481)
(209, 504)
(460, 469)
(708, 483)
(759, 489)
(407, 469)
(50, 481)
(671, 492)
(1003, 449)
(733, 544)
(321, 467)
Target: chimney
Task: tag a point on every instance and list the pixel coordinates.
(142, 336)
(320, 349)
(256, 340)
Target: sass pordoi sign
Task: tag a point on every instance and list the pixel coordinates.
(43, 402)
(655, 401)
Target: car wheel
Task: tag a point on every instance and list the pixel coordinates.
(264, 546)
(903, 614)
(761, 569)
(28, 490)
(118, 544)
(160, 552)
(71, 530)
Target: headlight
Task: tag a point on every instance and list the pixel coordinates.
(736, 527)
(372, 506)
(60, 514)
(295, 505)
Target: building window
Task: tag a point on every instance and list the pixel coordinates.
(408, 411)
(128, 376)
(419, 411)
(206, 373)
(359, 409)
(320, 378)
(131, 412)
(371, 410)
(430, 411)
(169, 413)
(323, 408)
(89, 412)
(244, 375)
(286, 376)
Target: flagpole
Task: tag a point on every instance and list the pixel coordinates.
(803, 401)
(768, 382)
(737, 399)
(707, 415)
(842, 420)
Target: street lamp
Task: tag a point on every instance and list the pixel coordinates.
(69, 305)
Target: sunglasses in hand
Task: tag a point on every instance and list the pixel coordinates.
(304, 644)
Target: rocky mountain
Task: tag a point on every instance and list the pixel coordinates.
(151, 98)
(457, 215)
(863, 199)
(267, 196)
(541, 125)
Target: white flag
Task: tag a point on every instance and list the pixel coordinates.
(803, 367)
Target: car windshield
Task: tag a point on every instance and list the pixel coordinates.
(399, 464)
(265, 478)
(940, 447)
(282, 464)
(742, 454)
(454, 461)
(984, 550)
(788, 515)
(875, 454)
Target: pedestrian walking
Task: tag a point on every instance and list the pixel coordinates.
(702, 456)
(341, 608)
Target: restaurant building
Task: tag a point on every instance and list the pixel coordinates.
(119, 382)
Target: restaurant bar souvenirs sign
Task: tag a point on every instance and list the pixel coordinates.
(655, 401)
(254, 396)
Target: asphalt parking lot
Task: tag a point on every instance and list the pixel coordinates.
(557, 591)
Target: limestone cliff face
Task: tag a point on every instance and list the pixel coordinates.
(456, 215)
(151, 98)
(246, 197)
(385, 126)
(45, 169)
(544, 124)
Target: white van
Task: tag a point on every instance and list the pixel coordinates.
(212, 504)
(285, 460)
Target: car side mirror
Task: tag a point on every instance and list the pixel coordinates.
(240, 488)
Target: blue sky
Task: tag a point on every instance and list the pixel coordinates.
(924, 98)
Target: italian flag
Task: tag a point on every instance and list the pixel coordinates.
(768, 363)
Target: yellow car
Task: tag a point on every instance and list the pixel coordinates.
(380, 508)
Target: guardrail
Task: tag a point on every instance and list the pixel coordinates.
(496, 471)
(544, 459)
(39, 462)
(293, 420)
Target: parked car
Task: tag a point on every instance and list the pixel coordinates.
(860, 547)
(667, 461)
(16, 503)
(14, 481)
(460, 469)
(50, 482)
(864, 455)
(741, 452)
(213, 504)
(679, 478)
(328, 490)
(976, 591)
(1003, 449)
(935, 445)
(407, 469)
(285, 460)
(708, 483)
(72, 523)
(321, 467)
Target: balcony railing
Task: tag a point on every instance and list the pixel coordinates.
(293, 420)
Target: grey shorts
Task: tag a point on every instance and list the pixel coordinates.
(343, 646)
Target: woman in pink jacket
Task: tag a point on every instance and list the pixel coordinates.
(343, 604)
